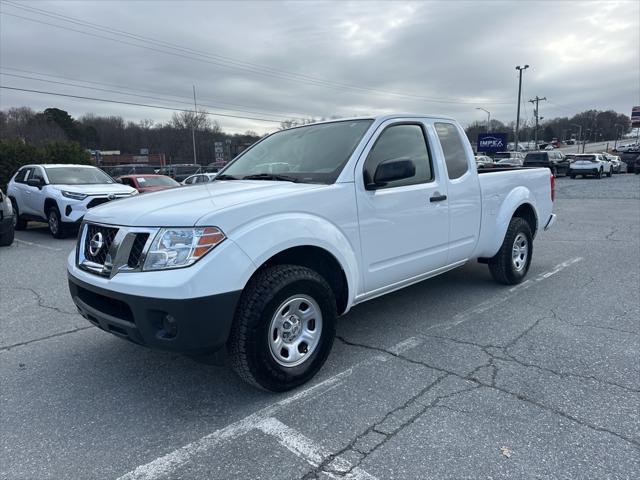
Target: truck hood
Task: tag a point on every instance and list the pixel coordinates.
(98, 189)
(183, 206)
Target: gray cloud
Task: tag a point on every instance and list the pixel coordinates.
(462, 54)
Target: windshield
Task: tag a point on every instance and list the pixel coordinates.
(77, 175)
(156, 182)
(503, 155)
(508, 160)
(311, 154)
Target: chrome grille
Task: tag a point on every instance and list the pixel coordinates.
(116, 249)
(107, 234)
(135, 256)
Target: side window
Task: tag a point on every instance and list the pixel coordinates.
(400, 141)
(37, 173)
(127, 181)
(455, 155)
(23, 175)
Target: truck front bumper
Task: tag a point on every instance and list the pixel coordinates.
(190, 326)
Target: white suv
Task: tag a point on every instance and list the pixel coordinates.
(60, 194)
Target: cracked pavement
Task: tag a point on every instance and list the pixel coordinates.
(433, 381)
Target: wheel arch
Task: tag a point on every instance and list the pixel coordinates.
(307, 240)
(319, 260)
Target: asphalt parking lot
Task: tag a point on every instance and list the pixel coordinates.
(456, 377)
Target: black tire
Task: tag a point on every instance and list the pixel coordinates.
(599, 174)
(56, 226)
(609, 173)
(249, 350)
(573, 177)
(6, 238)
(18, 223)
(501, 266)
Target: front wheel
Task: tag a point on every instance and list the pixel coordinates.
(284, 328)
(56, 227)
(599, 174)
(510, 265)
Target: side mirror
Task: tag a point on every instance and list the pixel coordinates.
(35, 182)
(119, 180)
(390, 170)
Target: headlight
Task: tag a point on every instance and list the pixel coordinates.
(181, 247)
(74, 196)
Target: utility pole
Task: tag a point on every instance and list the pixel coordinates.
(520, 70)
(193, 125)
(579, 134)
(536, 112)
(488, 117)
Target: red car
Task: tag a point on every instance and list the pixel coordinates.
(148, 183)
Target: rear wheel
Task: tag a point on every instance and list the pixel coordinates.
(284, 328)
(56, 227)
(510, 265)
(18, 223)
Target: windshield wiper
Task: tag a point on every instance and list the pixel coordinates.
(224, 176)
(270, 176)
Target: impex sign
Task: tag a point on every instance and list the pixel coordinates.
(492, 142)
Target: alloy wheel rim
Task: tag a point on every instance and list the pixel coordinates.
(295, 330)
(53, 223)
(520, 252)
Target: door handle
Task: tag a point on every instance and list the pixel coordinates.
(437, 198)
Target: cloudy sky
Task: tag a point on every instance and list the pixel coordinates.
(276, 60)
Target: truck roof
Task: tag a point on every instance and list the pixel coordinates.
(382, 118)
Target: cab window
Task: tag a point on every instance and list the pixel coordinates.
(455, 155)
(400, 141)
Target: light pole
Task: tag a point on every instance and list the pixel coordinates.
(488, 117)
(520, 70)
(615, 145)
(579, 134)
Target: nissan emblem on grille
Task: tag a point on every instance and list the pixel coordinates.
(95, 244)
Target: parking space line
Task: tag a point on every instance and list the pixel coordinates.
(300, 445)
(166, 464)
(32, 244)
(482, 307)
(303, 447)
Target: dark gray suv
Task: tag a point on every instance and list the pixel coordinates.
(553, 160)
(7, 221)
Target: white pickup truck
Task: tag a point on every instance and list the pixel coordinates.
(297, 230)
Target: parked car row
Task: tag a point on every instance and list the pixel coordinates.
(556, 161)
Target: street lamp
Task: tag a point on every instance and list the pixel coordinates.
(520, 70)
(488, 117)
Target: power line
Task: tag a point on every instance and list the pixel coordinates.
(223, 61)
(136, 95)
(120, 102)
(287, 115)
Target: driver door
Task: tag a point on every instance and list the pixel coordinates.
(404, 225)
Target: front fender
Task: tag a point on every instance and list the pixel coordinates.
(267, 236)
